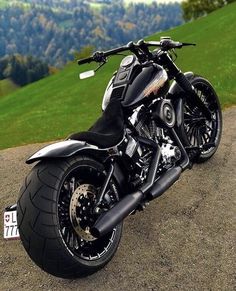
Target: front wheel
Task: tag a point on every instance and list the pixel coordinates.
(200, 133)
(55, 214)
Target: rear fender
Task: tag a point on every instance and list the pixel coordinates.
(69, 148)
(63, 149)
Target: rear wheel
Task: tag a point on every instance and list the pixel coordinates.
(55, 214)
(202, 134)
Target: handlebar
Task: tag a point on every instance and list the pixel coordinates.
(101, 56)
(85, 61)
(164, 44)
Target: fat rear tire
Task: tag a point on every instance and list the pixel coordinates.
(39, 225)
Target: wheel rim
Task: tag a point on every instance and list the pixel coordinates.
(199, 130)
(83, 179)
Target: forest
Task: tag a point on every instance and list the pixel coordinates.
(55, 31)
(22, 70)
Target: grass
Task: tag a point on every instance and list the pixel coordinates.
(52, 108)
(214, 55)
(7, 86)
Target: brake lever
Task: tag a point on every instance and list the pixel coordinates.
(100, 65)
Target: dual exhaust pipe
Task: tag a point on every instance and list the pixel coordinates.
(150, 190)
(129, 203)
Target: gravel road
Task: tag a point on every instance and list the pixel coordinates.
(185, 240)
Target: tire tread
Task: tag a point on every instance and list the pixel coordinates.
(38, 227)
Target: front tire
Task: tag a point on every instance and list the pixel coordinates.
(45, 211)
(196, 130)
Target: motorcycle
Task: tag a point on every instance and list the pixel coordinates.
(156, 122)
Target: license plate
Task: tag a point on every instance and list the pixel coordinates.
(10, 225)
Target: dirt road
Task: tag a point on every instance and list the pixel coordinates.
(186, 240)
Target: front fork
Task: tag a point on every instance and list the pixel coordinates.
(175, 73)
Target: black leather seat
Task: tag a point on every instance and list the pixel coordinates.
(108, 129)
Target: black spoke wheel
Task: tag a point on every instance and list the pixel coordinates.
(77, 200)
(201, 134)
(55, 214)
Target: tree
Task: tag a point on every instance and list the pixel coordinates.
(193, 9)
(85, 52)
(22, 70)
(53, 30)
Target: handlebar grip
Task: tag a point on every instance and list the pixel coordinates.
(85, 61)
(177, 44)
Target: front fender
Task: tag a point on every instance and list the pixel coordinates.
(63, 149)
(175, 88)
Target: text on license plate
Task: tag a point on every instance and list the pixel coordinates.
(10, 225)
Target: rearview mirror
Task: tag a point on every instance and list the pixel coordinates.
(87, 74)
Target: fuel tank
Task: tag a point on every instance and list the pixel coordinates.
(136, 83)
(150, 83)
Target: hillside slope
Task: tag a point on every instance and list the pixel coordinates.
(53, 107)
(7, 86)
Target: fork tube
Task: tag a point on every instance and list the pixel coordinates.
(184, 83)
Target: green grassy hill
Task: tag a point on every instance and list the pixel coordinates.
(7, 86)
(60, 104)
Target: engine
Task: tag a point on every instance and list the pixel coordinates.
(146, 127)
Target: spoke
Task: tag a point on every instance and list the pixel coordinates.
(202, 139)
(72, 185)
(76, 242)
(195, 119)
(189, 109)
(190, 122)
(205, 139)
(202, 132)
(71, 240)
(200, 94)
(189, 133)
(208, 135)
(188, 115)
(67, 236)
(192, 129)
(195, 137)
(188, 129)
(198, 137)
(209, 127)
(192, 137)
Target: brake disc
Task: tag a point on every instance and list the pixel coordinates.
(81, 211)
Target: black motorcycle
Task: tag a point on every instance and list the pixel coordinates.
(72, 204)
